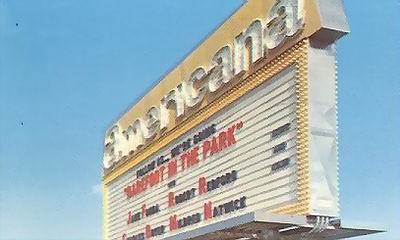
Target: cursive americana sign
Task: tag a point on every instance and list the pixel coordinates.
(281, 22)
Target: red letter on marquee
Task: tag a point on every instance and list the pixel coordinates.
(202, 185)
(214, 146)
(208, 212)
(172, 168)
(231, 136)
(184, 161)
(144, 210)
(130, 217)
(148, 231)
(171, 199)
(173, 223)
(193, 157)
(129, 190)
(154, 178)
(162, 169)
(206, 149)
(222, 141)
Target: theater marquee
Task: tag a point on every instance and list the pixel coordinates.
(246, 122)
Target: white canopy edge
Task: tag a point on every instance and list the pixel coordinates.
(267, 226)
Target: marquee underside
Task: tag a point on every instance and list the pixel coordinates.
(247, 227)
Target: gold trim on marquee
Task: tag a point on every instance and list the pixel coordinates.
(105, 211)
(297, 56)
(302, 207)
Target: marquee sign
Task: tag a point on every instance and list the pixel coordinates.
(240, 125)
(283, 21)
(241, 159)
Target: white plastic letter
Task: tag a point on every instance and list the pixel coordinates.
(283, 21)
(254, 34)
(191, 94)
(222, 71)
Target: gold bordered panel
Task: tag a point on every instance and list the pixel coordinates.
(261, 72)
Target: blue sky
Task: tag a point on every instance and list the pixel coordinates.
(71, 67)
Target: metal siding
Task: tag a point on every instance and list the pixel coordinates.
(323, 136)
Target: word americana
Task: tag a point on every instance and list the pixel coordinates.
(262, 35)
